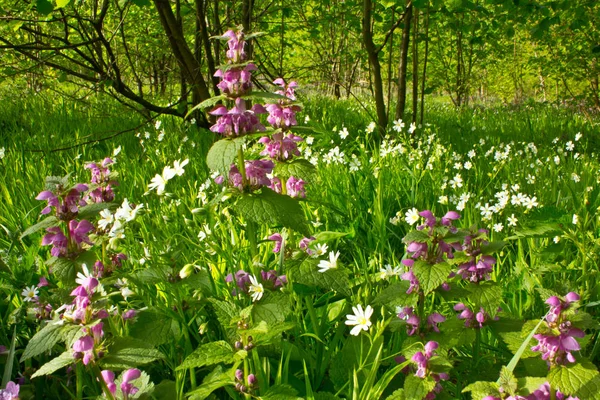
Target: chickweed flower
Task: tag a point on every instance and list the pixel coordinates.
(255, 289)
(412, 216)
(325, 265)
(398, 125)
(575, 219)
(388, 271)
(344, 133)
(360, 319)
(30, 293)
(320, 249)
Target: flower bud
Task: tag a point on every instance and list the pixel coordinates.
(252, 380)
(239, 374)
(186, 271)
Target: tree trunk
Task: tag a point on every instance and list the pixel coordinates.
(401, 104)
(415, 72)
(424, 76)
(375, 65)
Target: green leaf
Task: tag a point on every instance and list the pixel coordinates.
(62, 3)
(273, 308)
(141, 3)
(328, 236)
(127, 352)
(580, 379)
(416, 236)
(273, 332)
(43, 340)
(226, 313)
(8, 367)
(308, 274)
(536, 231)
(417, 388)
(43, 224)
(154, 327)
(397, 395)
(528, 385)
(281, 392)
(298, 168)
(55, 364)
(487, 295)
(44, 7)
(270, 208)
(264, 96)
(166, 389)
(222, 154)
(209, 354)
(431, 276)
(492, 247)
(395, 295)
(63, 268)
(507, 381)
(206, 104)
(91, 210)
(482, 389)
(213, 381)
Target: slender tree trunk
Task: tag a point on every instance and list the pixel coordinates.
(389, 70)
(415, 72)
(182, 81)
(424, 76)
(247, 8)
(375, 65)
(202, 30)
(401, 95)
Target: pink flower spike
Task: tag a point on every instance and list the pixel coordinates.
(43, 282)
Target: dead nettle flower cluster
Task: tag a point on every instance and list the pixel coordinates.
(88, 309)
(436, 241)
(236, 82)
(558, 338)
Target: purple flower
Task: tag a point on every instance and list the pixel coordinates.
(557, 306)
(109, 379)
(238, 121)
(276, 281)
(412, 320)
(410, 276)
(84, 346)
(305, 243)
(10, 392)
(276, 237)
(43, 282)
(433, 320)
(129, 314)
(242, 280)
(288, 90)
(295, 187)
(79, 230)
(417, 249)
(236, 43)
(57, 239)
(128, 376)
(236, 82)
(280, 147)
(556, 350)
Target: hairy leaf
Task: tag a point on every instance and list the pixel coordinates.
(487, 295)
(417, 388)
(213, 381)
(273, 308)
(270, 208)
(298, 168)
(55, 364)
(154, 327)
(127, 352)
(308, 274)
(43, 224)
(209, 354)
(580, 379)
(431, 276)
(222, 154)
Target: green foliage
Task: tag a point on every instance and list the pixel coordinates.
(128, 352)
(154, 327)
(270, 208)
(308, 274)
(431, 276)
(222, 154)
(55, 364)
(209, 354)
(581, 380)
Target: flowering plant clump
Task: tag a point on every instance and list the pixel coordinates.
(559, 340)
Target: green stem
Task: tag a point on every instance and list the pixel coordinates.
(476, 346)
(79, 377)
(242, 167)
(103, 385)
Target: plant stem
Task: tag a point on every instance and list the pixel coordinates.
(476, 346)
(79, 377)
(242, 167)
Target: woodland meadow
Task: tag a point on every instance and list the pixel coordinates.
(309, 199)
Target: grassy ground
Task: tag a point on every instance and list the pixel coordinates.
(522, 173)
